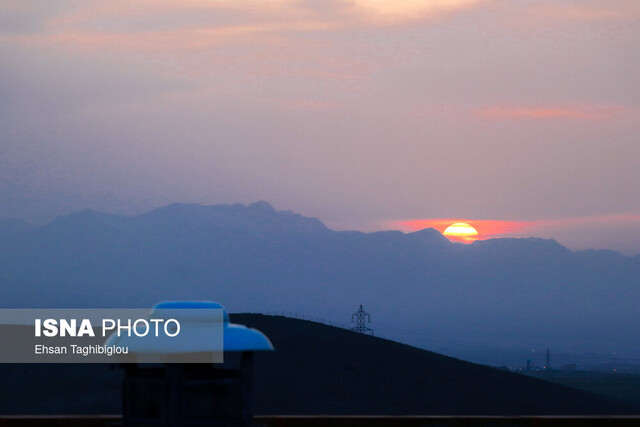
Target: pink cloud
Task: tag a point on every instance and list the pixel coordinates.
(585, 11)
(511, 112)
(586, 221)
(310, 104)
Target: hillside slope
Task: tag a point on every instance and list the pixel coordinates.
(319, 369)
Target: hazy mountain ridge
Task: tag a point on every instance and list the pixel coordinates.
(253, 258)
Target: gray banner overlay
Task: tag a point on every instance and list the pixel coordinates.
(176, 335)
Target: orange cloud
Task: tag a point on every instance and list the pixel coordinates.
(354, 11)
(486, 228)
(394, 11)
(505, 112)
(548, 228)
(198, 24)
(250, 39)
(192, 38)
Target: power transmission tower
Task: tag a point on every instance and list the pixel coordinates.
(548, 365)
(360, 318)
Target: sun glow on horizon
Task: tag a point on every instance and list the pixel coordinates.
(461, 232)
(486, 229)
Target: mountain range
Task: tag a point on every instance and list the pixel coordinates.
(419, 287)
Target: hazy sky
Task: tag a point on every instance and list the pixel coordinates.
(364, 113)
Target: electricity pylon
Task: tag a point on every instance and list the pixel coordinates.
(360, 318)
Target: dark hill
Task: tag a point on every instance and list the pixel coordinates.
(319, 369)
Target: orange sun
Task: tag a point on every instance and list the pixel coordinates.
(461, 232)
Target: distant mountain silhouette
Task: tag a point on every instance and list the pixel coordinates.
(10, 226)
(501, 292)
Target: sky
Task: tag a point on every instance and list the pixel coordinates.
(521, 118)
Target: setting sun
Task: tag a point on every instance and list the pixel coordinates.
(461, 232)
